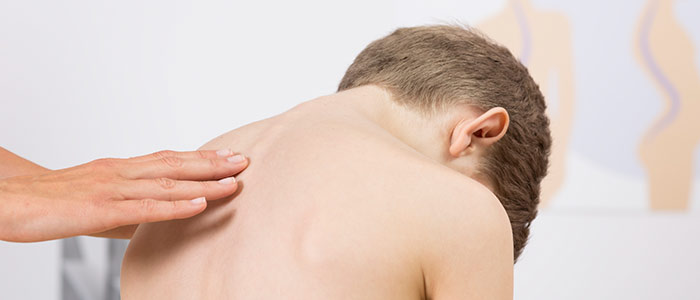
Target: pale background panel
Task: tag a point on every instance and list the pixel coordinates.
(80, 80)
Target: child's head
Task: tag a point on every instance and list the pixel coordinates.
(435, 69)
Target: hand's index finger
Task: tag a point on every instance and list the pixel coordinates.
(186, 169)
(204, 154)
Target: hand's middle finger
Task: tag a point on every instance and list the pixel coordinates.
(170, 189)
(186, 168)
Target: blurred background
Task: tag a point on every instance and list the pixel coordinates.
(81, 80)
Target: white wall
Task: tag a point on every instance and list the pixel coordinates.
(80, 80)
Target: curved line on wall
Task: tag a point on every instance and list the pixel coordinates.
(524, 32)
(656, 72)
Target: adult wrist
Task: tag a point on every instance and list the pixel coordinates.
(4, 208)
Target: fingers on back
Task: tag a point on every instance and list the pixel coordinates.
(152, 210)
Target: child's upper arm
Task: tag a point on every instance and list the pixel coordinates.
(470, 250)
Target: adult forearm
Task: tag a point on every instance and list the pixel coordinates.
(109, 197)
(14, 165)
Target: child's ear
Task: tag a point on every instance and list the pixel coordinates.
(483, 131)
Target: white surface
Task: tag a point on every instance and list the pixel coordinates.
(30, 271)
(590, 186)
(87, 79)
(611, 256)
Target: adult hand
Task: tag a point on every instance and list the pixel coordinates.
(108, 194)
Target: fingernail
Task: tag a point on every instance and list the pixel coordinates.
(198, 201)
(228, 180)
(236, 159)
(224, 152)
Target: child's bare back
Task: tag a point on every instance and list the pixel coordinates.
(331, 207)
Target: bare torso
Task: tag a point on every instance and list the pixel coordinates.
(329, 208)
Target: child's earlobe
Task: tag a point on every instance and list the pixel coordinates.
(461, 138)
